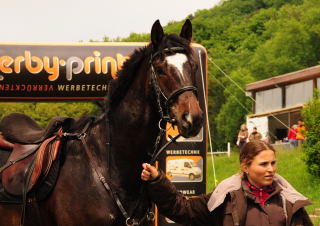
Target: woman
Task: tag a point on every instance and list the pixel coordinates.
(242, 136)
(256, 196)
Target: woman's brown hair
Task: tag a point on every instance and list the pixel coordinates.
(252, 149)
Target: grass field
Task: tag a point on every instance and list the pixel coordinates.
(290, 166)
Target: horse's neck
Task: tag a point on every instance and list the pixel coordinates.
(133, 126)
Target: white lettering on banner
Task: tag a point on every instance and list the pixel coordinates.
(183, 152)
(188, 192)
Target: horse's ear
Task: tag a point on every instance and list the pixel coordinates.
(156, 33)
(186, 31)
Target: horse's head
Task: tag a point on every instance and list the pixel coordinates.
(173, 70)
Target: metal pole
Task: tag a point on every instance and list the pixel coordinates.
(207, 118)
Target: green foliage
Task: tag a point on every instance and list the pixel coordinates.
(42, 113)
(289, 48)
(311, 116)
(134, 37)
(233, 110)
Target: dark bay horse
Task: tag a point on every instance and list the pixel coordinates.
(155, 85)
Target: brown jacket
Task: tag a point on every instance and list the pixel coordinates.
(231, 203)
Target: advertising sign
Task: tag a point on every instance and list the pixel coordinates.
(57, 71)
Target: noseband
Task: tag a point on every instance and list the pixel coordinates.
(158, 91)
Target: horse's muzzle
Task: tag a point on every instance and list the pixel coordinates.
(191, 124)
(188, 114)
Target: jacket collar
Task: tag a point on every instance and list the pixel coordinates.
(233, 183)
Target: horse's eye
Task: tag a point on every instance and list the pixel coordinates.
(160, 71)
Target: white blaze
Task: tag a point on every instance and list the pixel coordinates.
(178, 60)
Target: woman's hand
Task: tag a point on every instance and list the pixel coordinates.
(149, 172)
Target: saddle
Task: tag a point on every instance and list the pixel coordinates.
(20, 128)
(5, 144)
(34, 151)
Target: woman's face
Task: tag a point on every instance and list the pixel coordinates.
(262, 169)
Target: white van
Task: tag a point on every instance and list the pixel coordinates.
(183, 167)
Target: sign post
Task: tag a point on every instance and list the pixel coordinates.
(184, 161)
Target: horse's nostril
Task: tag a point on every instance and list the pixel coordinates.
(187, 117)
(184, 115)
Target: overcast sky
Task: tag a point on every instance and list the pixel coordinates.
(75, 20)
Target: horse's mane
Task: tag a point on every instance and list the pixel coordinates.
(77, 125)
(118, 87)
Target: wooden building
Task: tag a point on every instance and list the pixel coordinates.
(279, 100)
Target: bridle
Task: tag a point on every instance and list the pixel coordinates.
(164, 114)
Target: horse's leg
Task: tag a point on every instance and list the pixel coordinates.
(10, 215)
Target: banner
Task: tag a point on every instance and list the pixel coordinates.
(57, 71)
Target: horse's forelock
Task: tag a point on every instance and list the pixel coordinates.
(174, 40)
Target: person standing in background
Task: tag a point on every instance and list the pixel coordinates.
(242, 136)
(301, 131)
(292, 136)
(255, 135)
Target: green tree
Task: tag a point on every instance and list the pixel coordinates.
(289, 50)
(42, 113)
(311, 116)
(233, 111)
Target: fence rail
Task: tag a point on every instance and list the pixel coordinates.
(228, 152)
